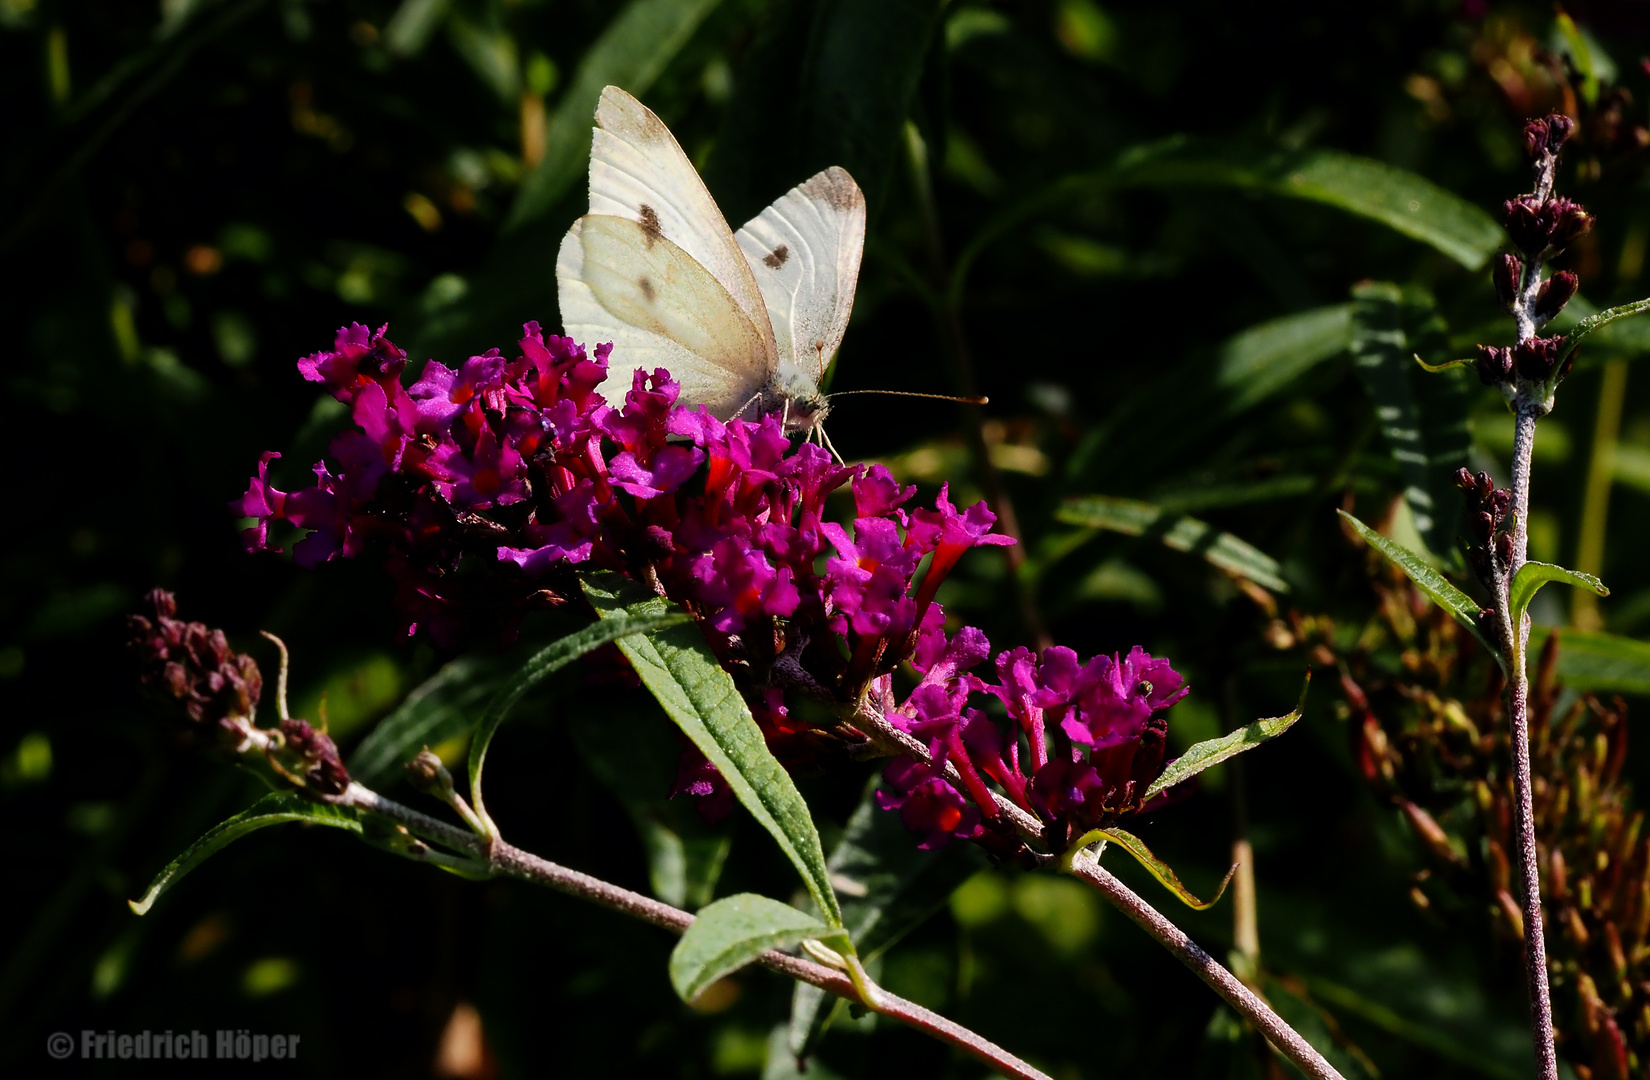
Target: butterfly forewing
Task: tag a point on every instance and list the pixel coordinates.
(804, 253)
(639, 172)
(660, 308)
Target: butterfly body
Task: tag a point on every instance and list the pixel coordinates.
(746, 323)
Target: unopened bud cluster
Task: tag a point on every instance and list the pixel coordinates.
(1540, 226)
(1490, 547)
(190, 665)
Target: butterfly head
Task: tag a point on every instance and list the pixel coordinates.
(795, 396)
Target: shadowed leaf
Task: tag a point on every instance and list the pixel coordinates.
(732, 932)
(1132, 518)
(273, 809)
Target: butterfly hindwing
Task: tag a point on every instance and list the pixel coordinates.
(661, 308)
(804, 252)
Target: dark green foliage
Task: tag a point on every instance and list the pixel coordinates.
(1149, 221)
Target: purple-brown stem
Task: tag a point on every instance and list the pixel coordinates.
(1286, 1039)
(498, 857)
(1514, 642)
(1087, 869)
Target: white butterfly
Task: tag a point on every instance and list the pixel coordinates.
(746, 323)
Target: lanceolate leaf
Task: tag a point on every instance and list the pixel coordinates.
(631, 53)
(1188, 534)
(1532, 575)
(732, 932)
(636, 756)
(547, 662)
(679, 670)
(272, 809)
(1159, 869)
(1380, 352)
(1603, 663)
(1260, 361)
(1595, 322)
(887, 888)
(1402, 201)
(1212, 752)
(1429, 580)
(443, 707)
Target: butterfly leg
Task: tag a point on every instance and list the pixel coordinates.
(826, 439)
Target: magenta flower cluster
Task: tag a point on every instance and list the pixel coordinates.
(522, 466)
(1083, 743)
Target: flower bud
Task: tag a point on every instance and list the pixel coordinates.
(1525, 224)
(317, 757)
(426, 773)
(1535, 138)
(1506, 272)
(1555, 292)
(1494, 365)
(1567, 222)
(1534, 359)
(1504, 548)
(1559, 127)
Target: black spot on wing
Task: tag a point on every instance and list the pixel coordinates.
(777, 259)
(647, 289)
(650, 225)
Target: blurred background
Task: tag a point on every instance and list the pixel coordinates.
(1161, 238)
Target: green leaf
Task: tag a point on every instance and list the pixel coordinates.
(632, 53)
(545, 663)
(1599, 662)
(1593, 323)
(1159, 869)
(272, 809)
(1532, 575)
(1132, 518)
(825, 84)
(1430, 581)
(1402, 201)
(1261, 361)
(732, 932)
(1212, 752)
(1423, 421)
(678, 668)
(443, 707)
(887, 887)
(635, 755)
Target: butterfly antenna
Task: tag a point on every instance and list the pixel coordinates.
(978, 400)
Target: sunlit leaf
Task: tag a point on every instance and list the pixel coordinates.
(1464, 609)
(1532, 575)
(273, 809)
(1133, 518)
(677, 667)
(1159, 869)
(732, 932)
(1212, 752)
